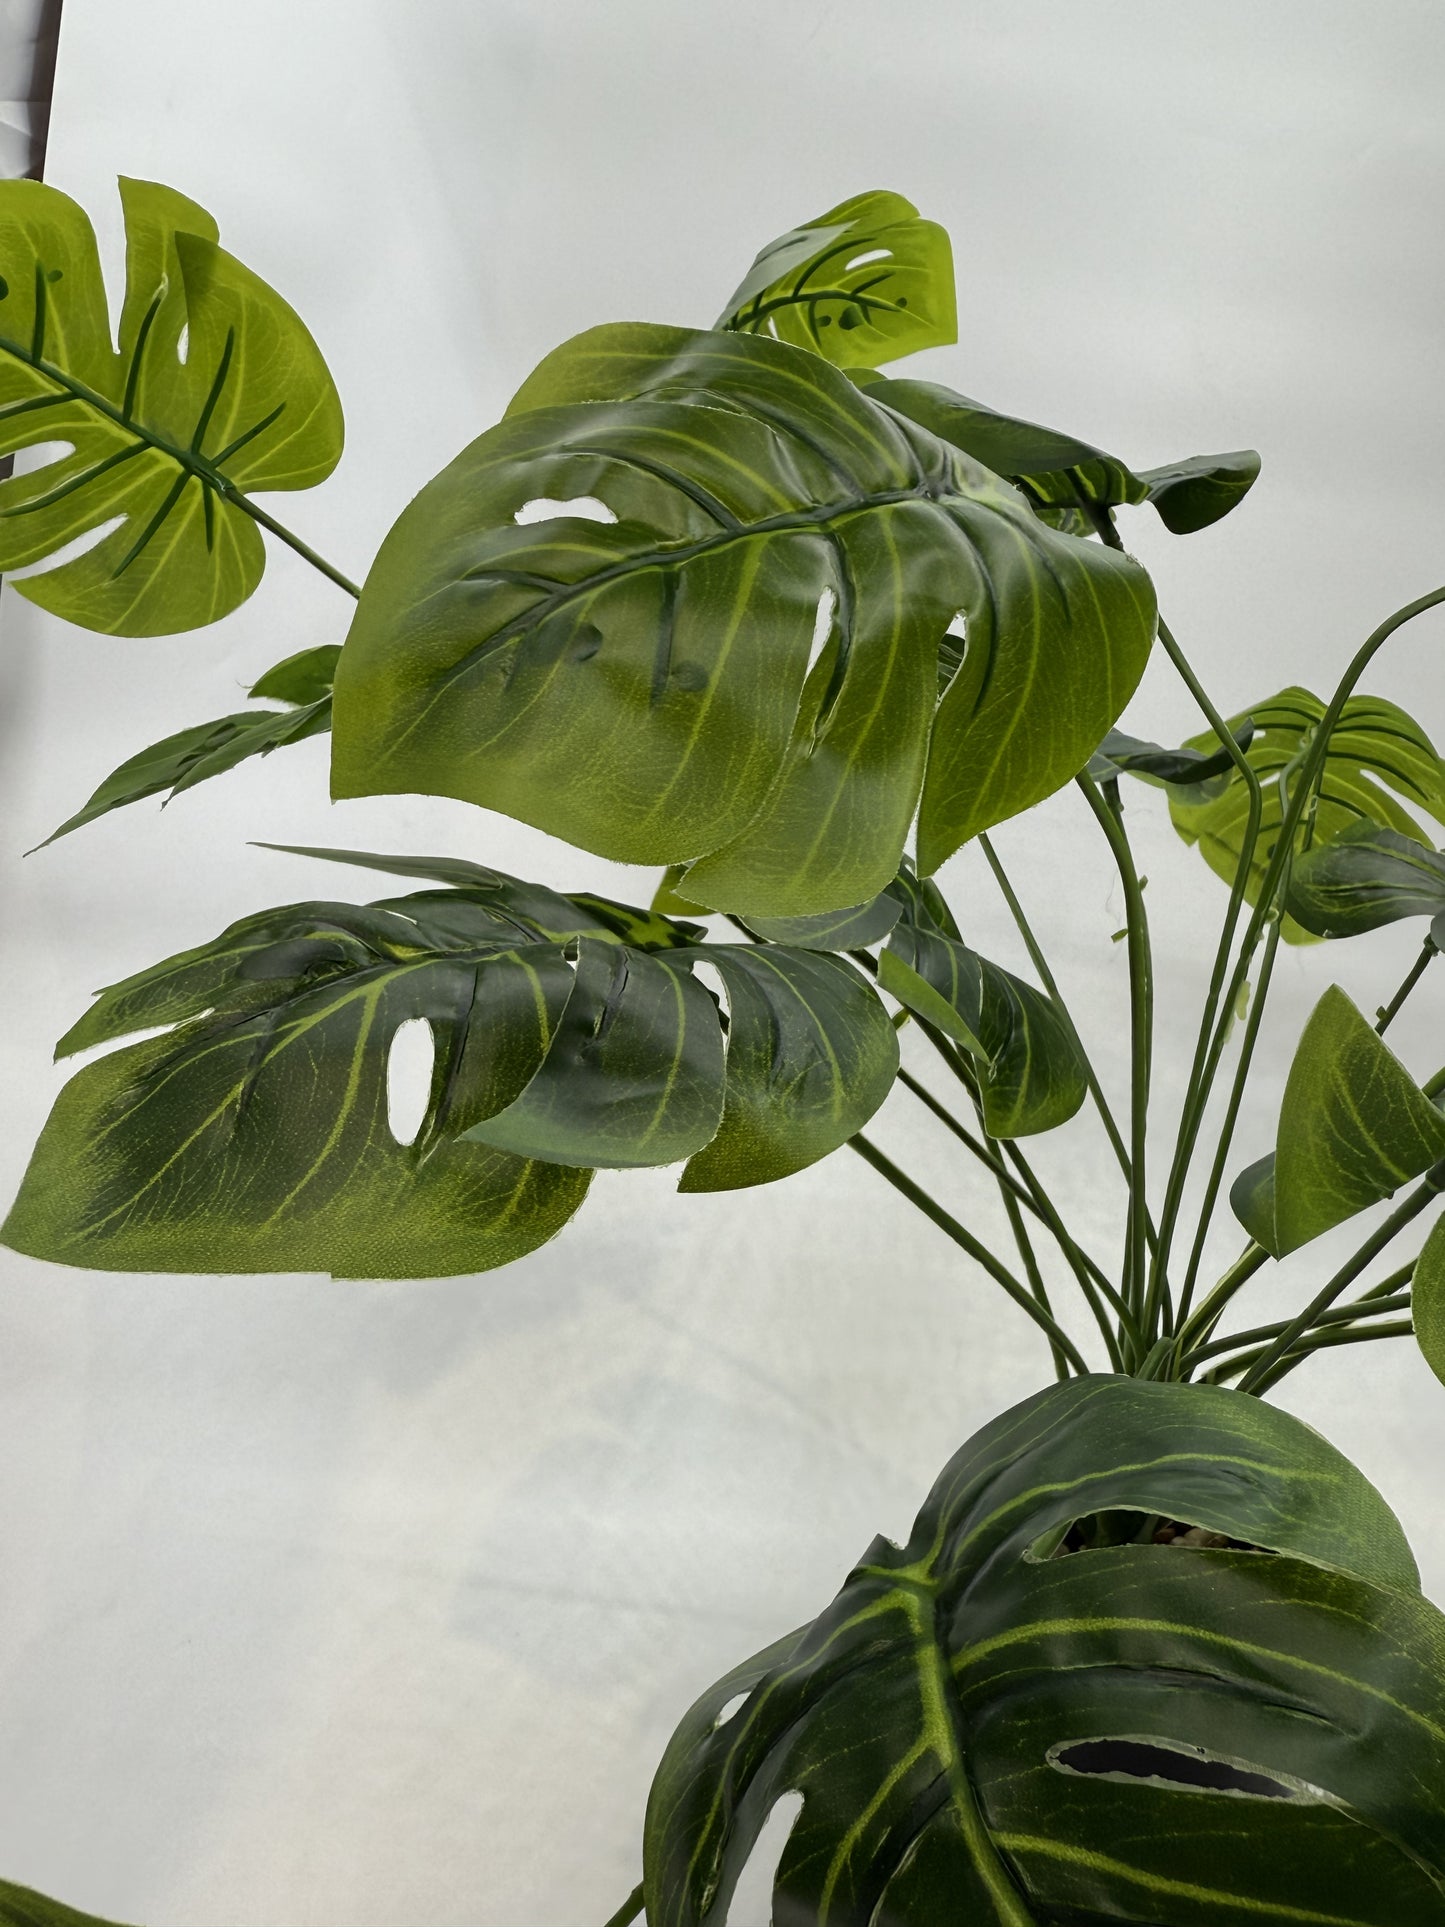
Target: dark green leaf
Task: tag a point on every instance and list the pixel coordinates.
(163, 443)
(642, 688)
(988, 1729)
(868, 281)
(1120, 755)
(1354, 1125)
(181, 761)
(1366, 877)
(1374, 744)
(811, 1055)
(1063, 477)
(1030, 1075)
(855, 929)
(1427, 1299)
(22, 1907)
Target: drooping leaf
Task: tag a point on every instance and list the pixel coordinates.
(868, 281)
(854, 929)
(1367, 876)
(216, 389)
(1120, 755)
(1062, 476)
(1353, 1127)
(1030, 1074)
(988, 1728)
(189, 757)
(568, 1032)
(1376, 754)
(23, 1907)
(642, 687)
(1427, 1299)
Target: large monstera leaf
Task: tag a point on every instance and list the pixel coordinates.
(215, 389)
(739, 669)
(1064, 478)
(990, 1728)
(568, 1032)
(1377, 754)
(868, 281)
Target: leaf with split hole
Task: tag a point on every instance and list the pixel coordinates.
(1353, 1127)
(1063, 477)
(984, 1731)
(645, 687)
(23, 1907)
(1366, 877)
(868, 281)
(192, 755)
(1030, 1074)
(567, 1033)
(159, 444)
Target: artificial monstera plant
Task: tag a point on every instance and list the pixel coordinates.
(729, 602)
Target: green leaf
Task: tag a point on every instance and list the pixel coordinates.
(1063, 477)
(181, 761)
(1427, 1299)
(811, 1055)
(23, 1907)
(642, 688)
(1354, 1125)
(868, 281)
(568, 1032)
(166, 444)
(1368, 876)
(1121, 755)
(1030, 1075)
(851, 929)
(672, 900)
(1374, 744)
(987, 1728)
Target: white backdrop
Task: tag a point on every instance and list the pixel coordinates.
(371, 1605)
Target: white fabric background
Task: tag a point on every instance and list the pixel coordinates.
(342, 1605)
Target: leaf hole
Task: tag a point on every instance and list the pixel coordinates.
(752, 1899)
(1099, 1531)
(729, 1707)
(712, 981)
(548, 508)
(409, 1065)
(952, 651)
(183, 343)
(42, 455)
(862, 260)
(822, 626)
(1176, 1765)
(68, 551)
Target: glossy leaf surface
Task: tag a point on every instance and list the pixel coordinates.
(985, 1733)
(866, 282)
(1030, 1074)
(216, 389)
(1377, 755)
(642, 687)
(1366, 877)
(1063, 477)
(568, 1032)
(1353, 1127)
(192, 755)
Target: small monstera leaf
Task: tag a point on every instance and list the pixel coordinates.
(1030, 1074)
(991, 1728)
(1375, 749)
(23, 1907)
(869, 281)
(302, 682)
(216, 389)
(1065, 478)
(1366, 877)
(739, 670)
(568, 1032)
(1353, 1127)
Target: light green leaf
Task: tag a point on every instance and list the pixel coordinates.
(23, 1907)
(989, 1726)
(1427, 1299)
(181, 761)
(672, 900)
(1353, 1126)
(1367, 876)
(1374, 745)
(642, 688)
(1030, 1075)
(867, 282)
(165, 444)
(811, 1055)
(1063, 477)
